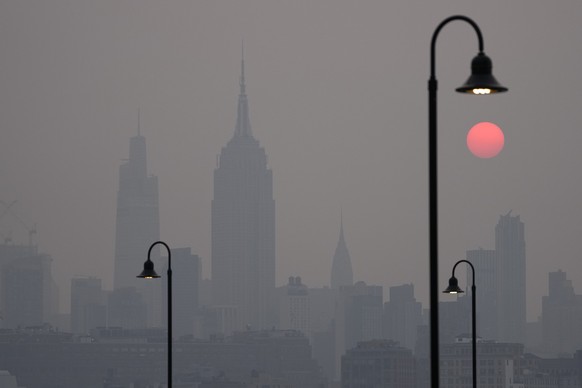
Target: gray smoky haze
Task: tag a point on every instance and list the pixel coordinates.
(338, 98)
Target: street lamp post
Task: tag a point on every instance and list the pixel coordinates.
(454, 288)
(481, 82)
(149, 273)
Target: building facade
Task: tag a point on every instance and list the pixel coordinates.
(561, 316)
(511, 290)
(243, 225)
(378, 363)
(341, 267)
(499, 365)
(486, 275)
(137, 227)
(88, 307)
(402, 316)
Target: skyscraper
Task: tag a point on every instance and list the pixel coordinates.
(511, 295)
(341, 267)
(402, 316)
(137, 224)
(87, 305)
(486, 275)
(561, 316)
(243, 225)
(186, 278)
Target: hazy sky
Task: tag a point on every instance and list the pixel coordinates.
(338, 98)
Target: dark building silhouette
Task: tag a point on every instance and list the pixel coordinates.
(294, 302)
(88, 308)
(120, 357)
(358, 317)
(511, 292)
(243, 226)
(27, 290)
(137, 226)
(486, 277)
(126, 309)
(378, 363)
(402, 316)
(499, 364)
(341, 268)
(561, 316)
(186, 278)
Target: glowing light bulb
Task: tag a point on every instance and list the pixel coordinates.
(481, 91)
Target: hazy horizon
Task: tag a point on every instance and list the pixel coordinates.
(338, 97)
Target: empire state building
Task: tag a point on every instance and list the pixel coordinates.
(243, 227)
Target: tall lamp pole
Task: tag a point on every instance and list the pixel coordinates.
(149, 273)
(454, 288)
(481, 82)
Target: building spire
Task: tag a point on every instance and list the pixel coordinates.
(242, 70)
(138, 121)
(341, 268)
(342, 224)
(243, 122)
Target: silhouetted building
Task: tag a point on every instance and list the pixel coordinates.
(511, 292)
(402, 316)
(27, 291)
(126, 308)
(341, 268)
(454, 318)
(358, 317)
(498, 364)
(561, 316)
(378, 363)
(88, 309)
(122, 357)
(294, 306)
(137, 226)
(186, 278)
(486, 277)
(323, 304)
(243, 225)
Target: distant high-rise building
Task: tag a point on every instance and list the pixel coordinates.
(341, 268)
(294, 306)
(186, 278)
(88, 309)
(126, 309)
(486, 276)
(402, 316)
(137, 225)
(27, 288)
(243, 225)
(511, 292)
(561, 316)
(358, 317)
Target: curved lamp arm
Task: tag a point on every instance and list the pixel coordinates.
(440, 27)
(470, 264)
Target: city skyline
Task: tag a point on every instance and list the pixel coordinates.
(339, 103)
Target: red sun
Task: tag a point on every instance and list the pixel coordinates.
(485, 140)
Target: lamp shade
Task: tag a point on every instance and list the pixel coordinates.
(481, 80)
(453, 287)
(148, 270)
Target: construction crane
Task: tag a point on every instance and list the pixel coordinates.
(8, 210)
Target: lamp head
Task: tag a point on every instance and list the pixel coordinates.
(148, 270)
(481, 80)
(453, 287)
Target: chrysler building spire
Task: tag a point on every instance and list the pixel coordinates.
(341, 268)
